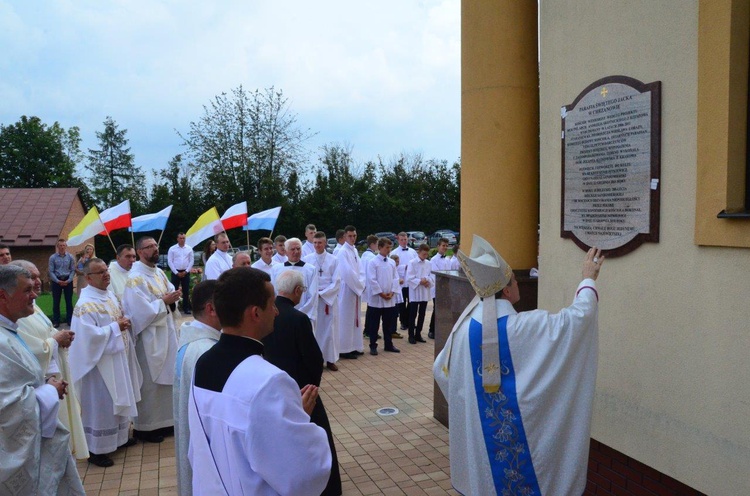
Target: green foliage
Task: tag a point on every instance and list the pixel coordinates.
(33, 155)
(114, 175)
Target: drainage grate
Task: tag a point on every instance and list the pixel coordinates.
(387, 411)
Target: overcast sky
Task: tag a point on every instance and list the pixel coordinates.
(381, 76)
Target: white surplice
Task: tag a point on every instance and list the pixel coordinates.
(37, 331)
(382, 277)
(438, 262)
(195, 339)
(553, 362)
(405, 255)
(352, 286)
(308, 304)
(156, 343)
(364, 261)
(329, 284)
(279, 258)
(118, 279)
(101, 360)
(254, 437)
(261, 265)
(417, 270)
(307, 249)
(36, 457)
(217, 263)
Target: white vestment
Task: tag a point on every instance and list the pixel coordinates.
(307, 249)
(350, 294)
(415, 272)
(364, 261)
(438, 263)
(537, 427)
(101, 360)
(261, 265)
(118, 279)
(217, 263)
(405, 255)
(278, 258)
(329, 284)
(156, 343)
(195, 338)
(382, 278)
(254, 438)
(337, 249)
(455, 265)
(308, 304)
(37, 331)
(35, 456)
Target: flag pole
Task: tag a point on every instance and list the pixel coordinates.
(230, 243)
(158, 242)
(132, 236)
(247, 233)
(111, 242)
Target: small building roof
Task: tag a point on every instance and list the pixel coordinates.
(34, 216)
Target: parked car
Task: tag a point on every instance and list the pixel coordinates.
(442, 233)
(331, 245)
(415, 238)
(389, 235)
(163, 262)
(254, 253)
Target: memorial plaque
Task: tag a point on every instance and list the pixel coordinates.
(611, 149)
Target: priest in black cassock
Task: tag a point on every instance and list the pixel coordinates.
(292, 347)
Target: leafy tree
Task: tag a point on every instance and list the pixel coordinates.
(114, 175)
(33, 155)
(247, 146)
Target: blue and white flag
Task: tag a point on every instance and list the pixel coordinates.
(263, 220)
(151, 222)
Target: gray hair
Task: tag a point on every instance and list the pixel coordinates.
(9, 275)
(24, 264)
(234, 257)
(289, 242)
(90, 262)
(288, 280)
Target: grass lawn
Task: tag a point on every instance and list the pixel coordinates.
(44, 301)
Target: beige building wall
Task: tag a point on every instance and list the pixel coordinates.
(673, 385)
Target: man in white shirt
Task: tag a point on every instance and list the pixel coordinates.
(238, 396)
(307, 247)
(419, 279)
(382, 284)
(455, 265)
(180, 260)
(221, 260)
(339, 241)
(119, 269)
(350, 297)
(367, 255)
(265, 263)
(280, 242)
(438, 262)
(405, 255)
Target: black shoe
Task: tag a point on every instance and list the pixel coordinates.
(349, 356)
(358, 352)
(131, 442)
(148, 436)
(100, 460)
(419, 339)
(165, 431)
(393, 349)
(373, 351)
(404, 328)
(412, 340)
(431, 335)
(55, 324)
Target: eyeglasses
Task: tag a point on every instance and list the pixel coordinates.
(303, 288)
(99, 273)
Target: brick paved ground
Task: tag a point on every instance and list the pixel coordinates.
(406, 453)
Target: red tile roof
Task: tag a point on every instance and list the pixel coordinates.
(34, 216)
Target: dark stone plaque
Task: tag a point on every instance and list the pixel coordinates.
(611, 159)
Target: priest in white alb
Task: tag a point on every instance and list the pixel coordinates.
(196, 337)
(221, 260)
(520, 386)
(350, 297)
(309, 302)
(329, 283)
(150, 301)
(50, 347)
(119, 268)
(101, 366)
(34, 453)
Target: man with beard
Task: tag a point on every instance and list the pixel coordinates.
(149, 301)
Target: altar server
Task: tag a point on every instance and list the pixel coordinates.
(350, 294)
(520, 387)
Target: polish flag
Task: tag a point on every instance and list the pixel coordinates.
(235, 216)
(117, 217)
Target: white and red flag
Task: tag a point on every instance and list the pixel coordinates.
(235, 216)
(117, 217)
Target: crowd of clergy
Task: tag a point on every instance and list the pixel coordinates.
(129, 363)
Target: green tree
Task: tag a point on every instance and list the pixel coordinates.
(247, 146)
(114, 175)
(34, 155)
